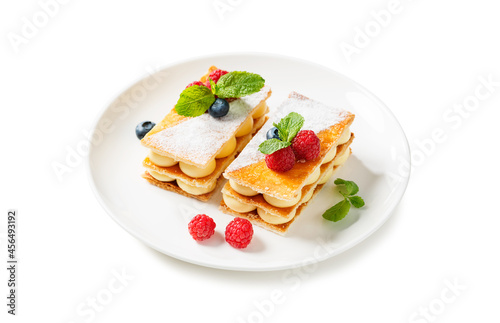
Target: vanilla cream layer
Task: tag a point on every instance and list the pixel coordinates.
(313, 177)
(329, 156)
(273, 219)
(243, 190)
(260, 111)
(195, 190)
(227, 149)
(162, 161)
(197, 172)
(245, 128)
(345, 136)
(236, 205)
(160, 177)
(282, 203)
(342, 158)
(326, 177)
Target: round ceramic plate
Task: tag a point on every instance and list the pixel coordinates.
(159, 218)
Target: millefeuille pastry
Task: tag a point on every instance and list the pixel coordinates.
(188, 154)
(273, 199)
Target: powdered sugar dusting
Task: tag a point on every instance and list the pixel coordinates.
(254, 99)
(317, 117)
(199, 139)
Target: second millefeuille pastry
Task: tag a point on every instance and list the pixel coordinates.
(272, 199)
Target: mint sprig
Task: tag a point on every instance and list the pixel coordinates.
(350, 187)
(196, 99)
(271, 145)
(338, 211)
(341, 209)
(237, 84)
(288, 127)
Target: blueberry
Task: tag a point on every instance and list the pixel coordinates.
(143, 128)
(219, 108)
(273, 133)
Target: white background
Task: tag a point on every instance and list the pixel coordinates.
(429, 56)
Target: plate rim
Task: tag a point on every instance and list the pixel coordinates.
(390, 210)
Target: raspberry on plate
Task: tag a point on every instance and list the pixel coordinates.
(306, 145)
(239, 233)
(201, 227)
(281, 160)
(195, 83)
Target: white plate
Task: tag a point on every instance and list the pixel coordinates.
(159, 218)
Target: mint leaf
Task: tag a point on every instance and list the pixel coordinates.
(213, 86)
(270, 146)
(237, 84)
(194, 101)
(356, 201)
(289, 126)
(338, 211)
(350, 187)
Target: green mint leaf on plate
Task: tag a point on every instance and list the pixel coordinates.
(270, 146)
(289, 126)
(356, 201)
(194, 101)
(350, 187)
(237, 84)
(338, 211)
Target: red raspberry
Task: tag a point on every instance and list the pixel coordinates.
(201, 227)
(195, 83)
(215, 76)
(281, 160)
(239, 233)
(306, 145)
